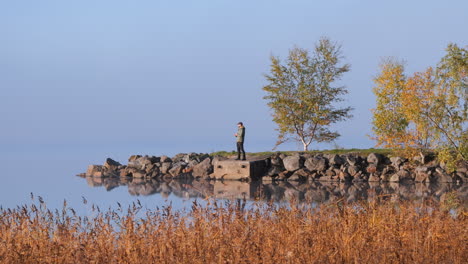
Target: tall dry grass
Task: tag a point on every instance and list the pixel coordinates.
(221, 232)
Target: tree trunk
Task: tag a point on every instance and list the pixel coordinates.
(306, 147)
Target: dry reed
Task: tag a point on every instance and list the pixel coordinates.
(230, 232)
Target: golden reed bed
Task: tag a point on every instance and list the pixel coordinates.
(223, 232)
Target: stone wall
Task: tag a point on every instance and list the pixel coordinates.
(297, 167)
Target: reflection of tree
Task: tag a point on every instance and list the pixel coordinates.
(279, 191)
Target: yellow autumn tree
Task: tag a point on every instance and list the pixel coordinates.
(389, 122)
(425, 111)
(417, 106)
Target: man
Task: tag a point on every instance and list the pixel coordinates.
(240, 135)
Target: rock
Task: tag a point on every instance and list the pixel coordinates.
(344, 176)
(177, 169)
(267, 179)
(293, 163)
(193, 163)
(424, 158)
(422, 174)
(462, 176)
(141, 162)
(133, 158)
(95, 171)
(276, 161)
(179, 157)
(165, 167)
(138, 174)
(372, 168)
(299, 175)
(394, 178)
(335, 159)
(374, 158)
(353, 170)
(441, 176)
(373, 178)
(326, 178)
(352, 159)
(397, 162)
(404, 175)
(317, 163)
(152, 170)
(124, 172)
(111, 164)
(462, 167)
(330, 172)
(284, 175)
(203, 169)
(275, 170)
(163, 159)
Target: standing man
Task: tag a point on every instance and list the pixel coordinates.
(240, 135)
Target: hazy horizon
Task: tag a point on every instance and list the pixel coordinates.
(159, 77)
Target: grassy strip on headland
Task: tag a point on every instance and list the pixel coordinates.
(361, 152)
(374, 232)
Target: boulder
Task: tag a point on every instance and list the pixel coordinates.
(179, 157)
(352, 159)
(138, 174)
(274, 170)
(165, 167)
(373, 178)
(327, 179)
(353, 170)
(374, 158)
(283, 175)
(95, 171)
(124, 172)
(442, 176)
(299, 175)
(317, 163)
(111, 164)
(330, 172)
(276, 161)
(344, 176)
(335, 159)
(422, 174)
(404, 175)
(141, 162)
(397, 162)
(133, 158)
(293, 163)
(177, 169)
(203, 169)
(164, 159)
(372, 168)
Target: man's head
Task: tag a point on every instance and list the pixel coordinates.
(240, 124)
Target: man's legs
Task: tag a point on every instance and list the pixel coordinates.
(241, 150)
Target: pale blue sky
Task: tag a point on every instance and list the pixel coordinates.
(178, 75)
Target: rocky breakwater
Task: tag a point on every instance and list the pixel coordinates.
(181, 166)
(297, 167)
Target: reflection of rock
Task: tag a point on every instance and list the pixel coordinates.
(232, 190)
(301, 191)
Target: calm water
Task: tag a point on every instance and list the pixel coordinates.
(50, 173)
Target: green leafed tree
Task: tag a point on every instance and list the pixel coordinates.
(304, 96)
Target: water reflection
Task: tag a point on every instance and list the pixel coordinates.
(319, 192)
